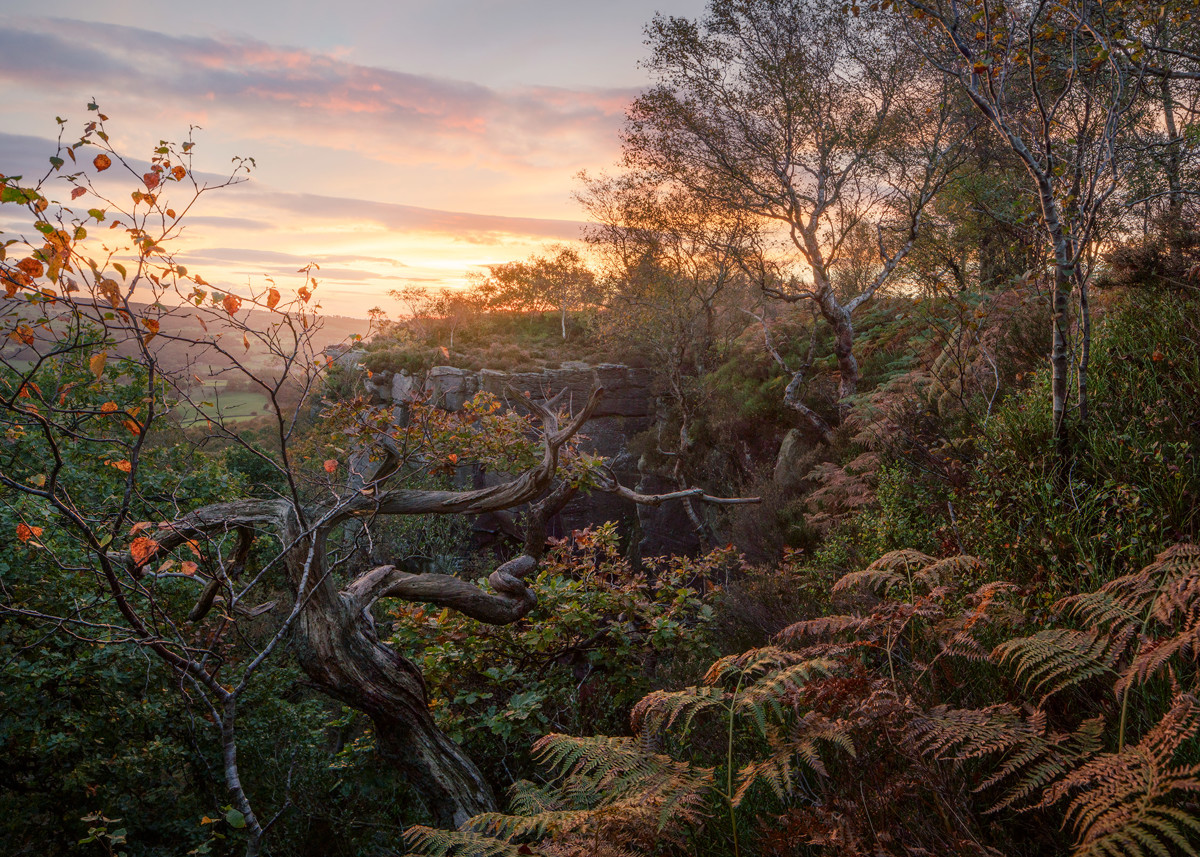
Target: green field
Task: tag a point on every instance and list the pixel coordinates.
(212, 402)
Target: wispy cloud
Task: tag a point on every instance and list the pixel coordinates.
(319, 99)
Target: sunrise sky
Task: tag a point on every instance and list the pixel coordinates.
(397, 142)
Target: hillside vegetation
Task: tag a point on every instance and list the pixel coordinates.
(917, 289)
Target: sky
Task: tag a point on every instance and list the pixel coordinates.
(396, 142)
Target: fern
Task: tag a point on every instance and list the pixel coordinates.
(432, 842)
(1128, 802)
(887, 572)
(1054, 660)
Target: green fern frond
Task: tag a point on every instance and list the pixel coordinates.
(1053, 660)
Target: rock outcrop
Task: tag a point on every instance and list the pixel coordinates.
(627, 409)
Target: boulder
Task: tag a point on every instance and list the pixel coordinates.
(449, 388)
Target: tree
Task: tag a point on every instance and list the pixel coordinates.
(1049, 79)
(802, 115)
(98, 373)
(558, 281)
(674, 287)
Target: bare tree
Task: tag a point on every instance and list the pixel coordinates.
(806, 116)
(97, 381)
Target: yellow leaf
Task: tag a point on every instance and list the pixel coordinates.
(97, 363)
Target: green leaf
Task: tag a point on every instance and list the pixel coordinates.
(120, 269)
(235, 819)
(96, 213)
(43, 227)
(56, 162)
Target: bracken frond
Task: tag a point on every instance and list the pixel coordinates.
(1053, 660)
(1033, 755)
(662, 709)
(1129, 802)
(891, 569)
(799, 743)
(431, 842)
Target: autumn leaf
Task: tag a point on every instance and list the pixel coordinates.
(142, 549)
(78, 192)
(96, 364)
(31, 267)
(150, 180)
(189, 568)
(139, 526)
(26, 532)
(151, 328)
(232, 304)
(304, 293)
(122, 465)
(246, 341)
(108, 407)
(132, 426)
(178, 173)
(102, 162)
(445, 351)
(23, 334)
(272, 298)
(331, 465)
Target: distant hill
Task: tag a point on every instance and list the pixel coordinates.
(180, 328)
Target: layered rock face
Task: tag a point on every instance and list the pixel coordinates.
(627, 409)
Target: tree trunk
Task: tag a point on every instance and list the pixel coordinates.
(1060, 355)
(342, 655)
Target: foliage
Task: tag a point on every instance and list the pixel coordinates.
(601, 634)
(915, 659)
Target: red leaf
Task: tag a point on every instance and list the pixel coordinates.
(331, 465)
(151, 180)
(78, 192)
(232, 304)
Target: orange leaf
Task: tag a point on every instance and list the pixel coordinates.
(31, 267)
(139, 526)
(178, 173)
(108, 407)
(102, 162)
(272, 298)
(152, 328)
(188, 567)
(122, 465)
(26, 532)
(78, 192)
(331, 465)
(96, 364)
(142, 549)
(132, 426)
(232, 304)
(151, 180)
